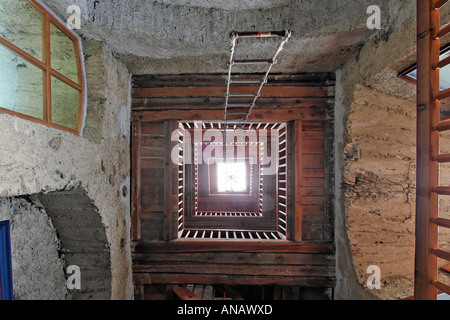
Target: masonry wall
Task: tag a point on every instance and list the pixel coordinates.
(375, 164)
(37, 160)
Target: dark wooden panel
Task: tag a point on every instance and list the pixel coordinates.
(174, 103)
(209, 91)
(236, 257)
(152, 128)
(313, 226)
(201, 97)
(313, 161)
(152, 140)
(196, 246)
(163, 80)
(279, 114)
(237, 269)
(313, 147)
(200, 278)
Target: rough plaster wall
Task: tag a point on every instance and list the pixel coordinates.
(35, 252)
(379, 180)
(186, 37)
(38, 159)
(376, 161)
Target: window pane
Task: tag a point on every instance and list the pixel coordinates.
(63, 55)
(64, 104)
(21, 24)
(21, 85)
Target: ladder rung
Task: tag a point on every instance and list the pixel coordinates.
(261, 34)
(235, 105)
(236, 113)
(440, 3)
(441, 254)
(443, 125)
(253, 61)
(445, 157)
(442, 222)
(246, 81)
(443, 94)
(445, 267)
(441, 286)
(443, 31)
(442, 190)
(443, 63)
(241, 95)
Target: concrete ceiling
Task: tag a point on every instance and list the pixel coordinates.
(190, 36)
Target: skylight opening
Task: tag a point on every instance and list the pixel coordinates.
(231, 177)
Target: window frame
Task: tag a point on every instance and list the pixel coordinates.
(46, 67)
(404, 74)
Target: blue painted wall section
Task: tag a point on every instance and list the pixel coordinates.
(6, 283)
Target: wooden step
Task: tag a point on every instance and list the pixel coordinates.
(443, 94)
(442, 222)
(439, 3)
(442, 158)
(443, 125)
(446, 268)
(441, 286)
(265, 61)
(441, 254)
(443, 31)
(442, 190)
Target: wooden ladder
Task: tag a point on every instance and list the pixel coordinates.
(429, 126)
(237, 112)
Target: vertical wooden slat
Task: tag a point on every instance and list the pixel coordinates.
(136, 181)
(427, 145)
(48, 76)
(290, 180)
(167, 183)
(298, 178)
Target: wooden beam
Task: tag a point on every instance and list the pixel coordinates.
(217, 115)
(181, 245)
(167, 182)
(208, 91)
(298, 156)
(136, 181)
(427, 145)
(439, 3)
(184, 293)
(234, 279)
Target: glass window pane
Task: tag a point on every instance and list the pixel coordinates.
(21, 24)
(63, 55)
(64, 104)
(21, 85)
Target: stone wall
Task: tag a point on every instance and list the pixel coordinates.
(375, 163)
(36, 159)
